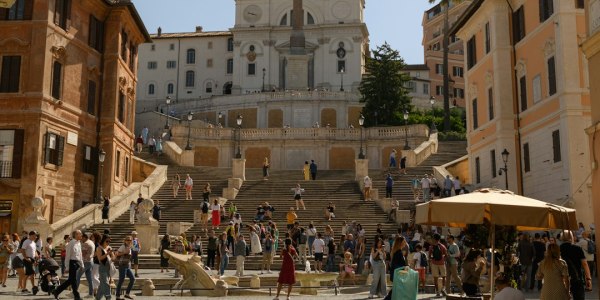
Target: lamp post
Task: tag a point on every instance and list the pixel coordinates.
(238, 154)
(433, 128)
(190, 116)
(342, 80)
(505, 154)
(406, 146)
(361, 122)
(264, 73)
(101, 157)
(168, 109)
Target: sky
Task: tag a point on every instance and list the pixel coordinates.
(397, 22)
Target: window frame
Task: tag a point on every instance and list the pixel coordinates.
(477, 170)
(62, 14)
(54, 148)
(96, 34)
(493, 163)
(121, 107)
(488, 42)
(151, 89)
(523, 93)
(10, 74)
(190, 79)
(518, 20)
(229, 66)
(546, 9)
(551, 65)
(190, 56)
(92, 97)
(57, 80)
(526, 158)
(491, 103)
(474, 111)
(471, 52)
(556, 147)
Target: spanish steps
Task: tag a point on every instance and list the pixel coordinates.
(337, 186)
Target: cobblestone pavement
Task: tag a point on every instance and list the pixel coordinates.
(9, 292)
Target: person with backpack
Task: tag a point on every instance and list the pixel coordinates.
(136, 247)
(589, 249)
(452, 267)
(420, 265)
(204, 217)
(437, 257)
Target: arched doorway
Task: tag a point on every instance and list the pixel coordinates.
(227, 88)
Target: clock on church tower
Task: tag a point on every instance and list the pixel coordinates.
(252, 13)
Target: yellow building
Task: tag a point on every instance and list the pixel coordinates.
(67, 89)
(527, 91)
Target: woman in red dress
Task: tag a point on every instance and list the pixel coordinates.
(287, 275)
(216, 215)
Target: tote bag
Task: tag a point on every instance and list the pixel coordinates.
(406, 284)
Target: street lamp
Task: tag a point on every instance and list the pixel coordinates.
(342, 82)
(433, 128)
(101, 157)
(361, 122)
(168, 109)
(190, 116)
(505, 169)
(406, 146)
(264, 73)
(239, 129)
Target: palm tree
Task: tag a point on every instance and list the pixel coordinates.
(445, 42)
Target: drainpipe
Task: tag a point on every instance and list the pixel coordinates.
(97, 179)
(518, 139)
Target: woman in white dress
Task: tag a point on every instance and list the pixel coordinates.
(255, 246)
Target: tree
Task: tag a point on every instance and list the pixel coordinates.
(383, 87)
(445, 4)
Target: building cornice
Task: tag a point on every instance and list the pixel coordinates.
(591, 46)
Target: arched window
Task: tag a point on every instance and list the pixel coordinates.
(191, 56)
(284, 21)
(151, 89)
(309, 19)
(230, 44)
(209, 86)
(190, 78)
(170, 88)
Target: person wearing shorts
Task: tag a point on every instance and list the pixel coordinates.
(318, 249)
(438, 266)
(418, 265)
(298, 196)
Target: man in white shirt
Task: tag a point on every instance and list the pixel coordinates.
(456, 183)
(425, 185)
(74, 261)
(87, 251)
(368, 184)
(318, 247)
(452, 264)
(29, 258)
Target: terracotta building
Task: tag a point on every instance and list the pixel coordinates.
(433, 35)
(591, 47)
(67, 89)
(527, 92)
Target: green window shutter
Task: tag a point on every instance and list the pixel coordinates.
(47, 151)
(60, 147)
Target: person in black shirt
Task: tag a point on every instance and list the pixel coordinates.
(575, 258)
(329, 266)
(539, 248)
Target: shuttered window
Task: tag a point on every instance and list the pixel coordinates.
(121, 108)
(477, 170)
(90, 160)
(551, 76)
(526, 159)
(96, 34)
(471, 52)
(62, 14)
(493, 162)
(474, 114)
(54, 149)
(523, 92)
(11, 74)
(556, 146)
(491, 103)
(124, 44)
(546, 9)
(91, 103)
(20, 10)
(11, 147)
(518, 24)
(56, 80)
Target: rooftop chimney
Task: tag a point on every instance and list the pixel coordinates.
(159, 31)
(198, 28)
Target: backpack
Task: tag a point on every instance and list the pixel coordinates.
(591, 248)
(437, 253)
(205, 207)
(424, 262)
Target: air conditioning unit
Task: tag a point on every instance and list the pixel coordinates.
(6, 3)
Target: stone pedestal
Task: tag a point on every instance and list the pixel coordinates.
(296, 75)
(235, 183)
(374, 194)
(255, 282)
(35, 220)
(239, 168)
(187, 158)
(148, 235)
(361, 169)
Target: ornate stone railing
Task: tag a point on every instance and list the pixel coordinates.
(377, 133)
(458, 167)
(92, 213)
(178, 155)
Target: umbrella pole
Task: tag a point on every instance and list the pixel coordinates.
(492, 275)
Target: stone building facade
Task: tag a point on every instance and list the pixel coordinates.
(433, 34)
(67, 89)
(536, 107)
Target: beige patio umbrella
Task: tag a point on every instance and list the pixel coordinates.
(499, 207)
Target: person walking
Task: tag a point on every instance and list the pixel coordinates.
(189, 185)
(265, 168)
(139, 144)
(425, 186)
(123, 257)
(539, 248)
(579, 272)
(287, 275)
(397, 260)
(105, 256)
(151, 145)
(452, 265)
(298, 196)
(447, 187)
(132, 212)
(313, 170)
(403, 165)
(136, 247)
(223, 254)
(555, 273)
(145, 134)
(30, 256)
(211, 250)
(267, 257)
(526, 253)
(389, 184)
(87, 251)
(368, 183)
(306, 171)
(589, 249)
(437, 257)
(415, 186)
(379, 285)
(175, 185)
(240, 255)
(216, 214)
(206, 192)
(165, 244)
(318, 248)
(311, 234)
(360, 254)
(393, 158)
(6, 249)
(456, 185)
(331, 250)
(105, 210)
(74, 258)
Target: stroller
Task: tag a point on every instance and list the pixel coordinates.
(49, 279)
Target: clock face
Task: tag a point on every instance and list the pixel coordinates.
(252, 13)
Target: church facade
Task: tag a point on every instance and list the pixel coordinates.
(276, 49)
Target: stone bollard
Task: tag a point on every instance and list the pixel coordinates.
(255, 282)
(148, 288)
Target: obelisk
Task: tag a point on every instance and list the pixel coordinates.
(297, 60)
